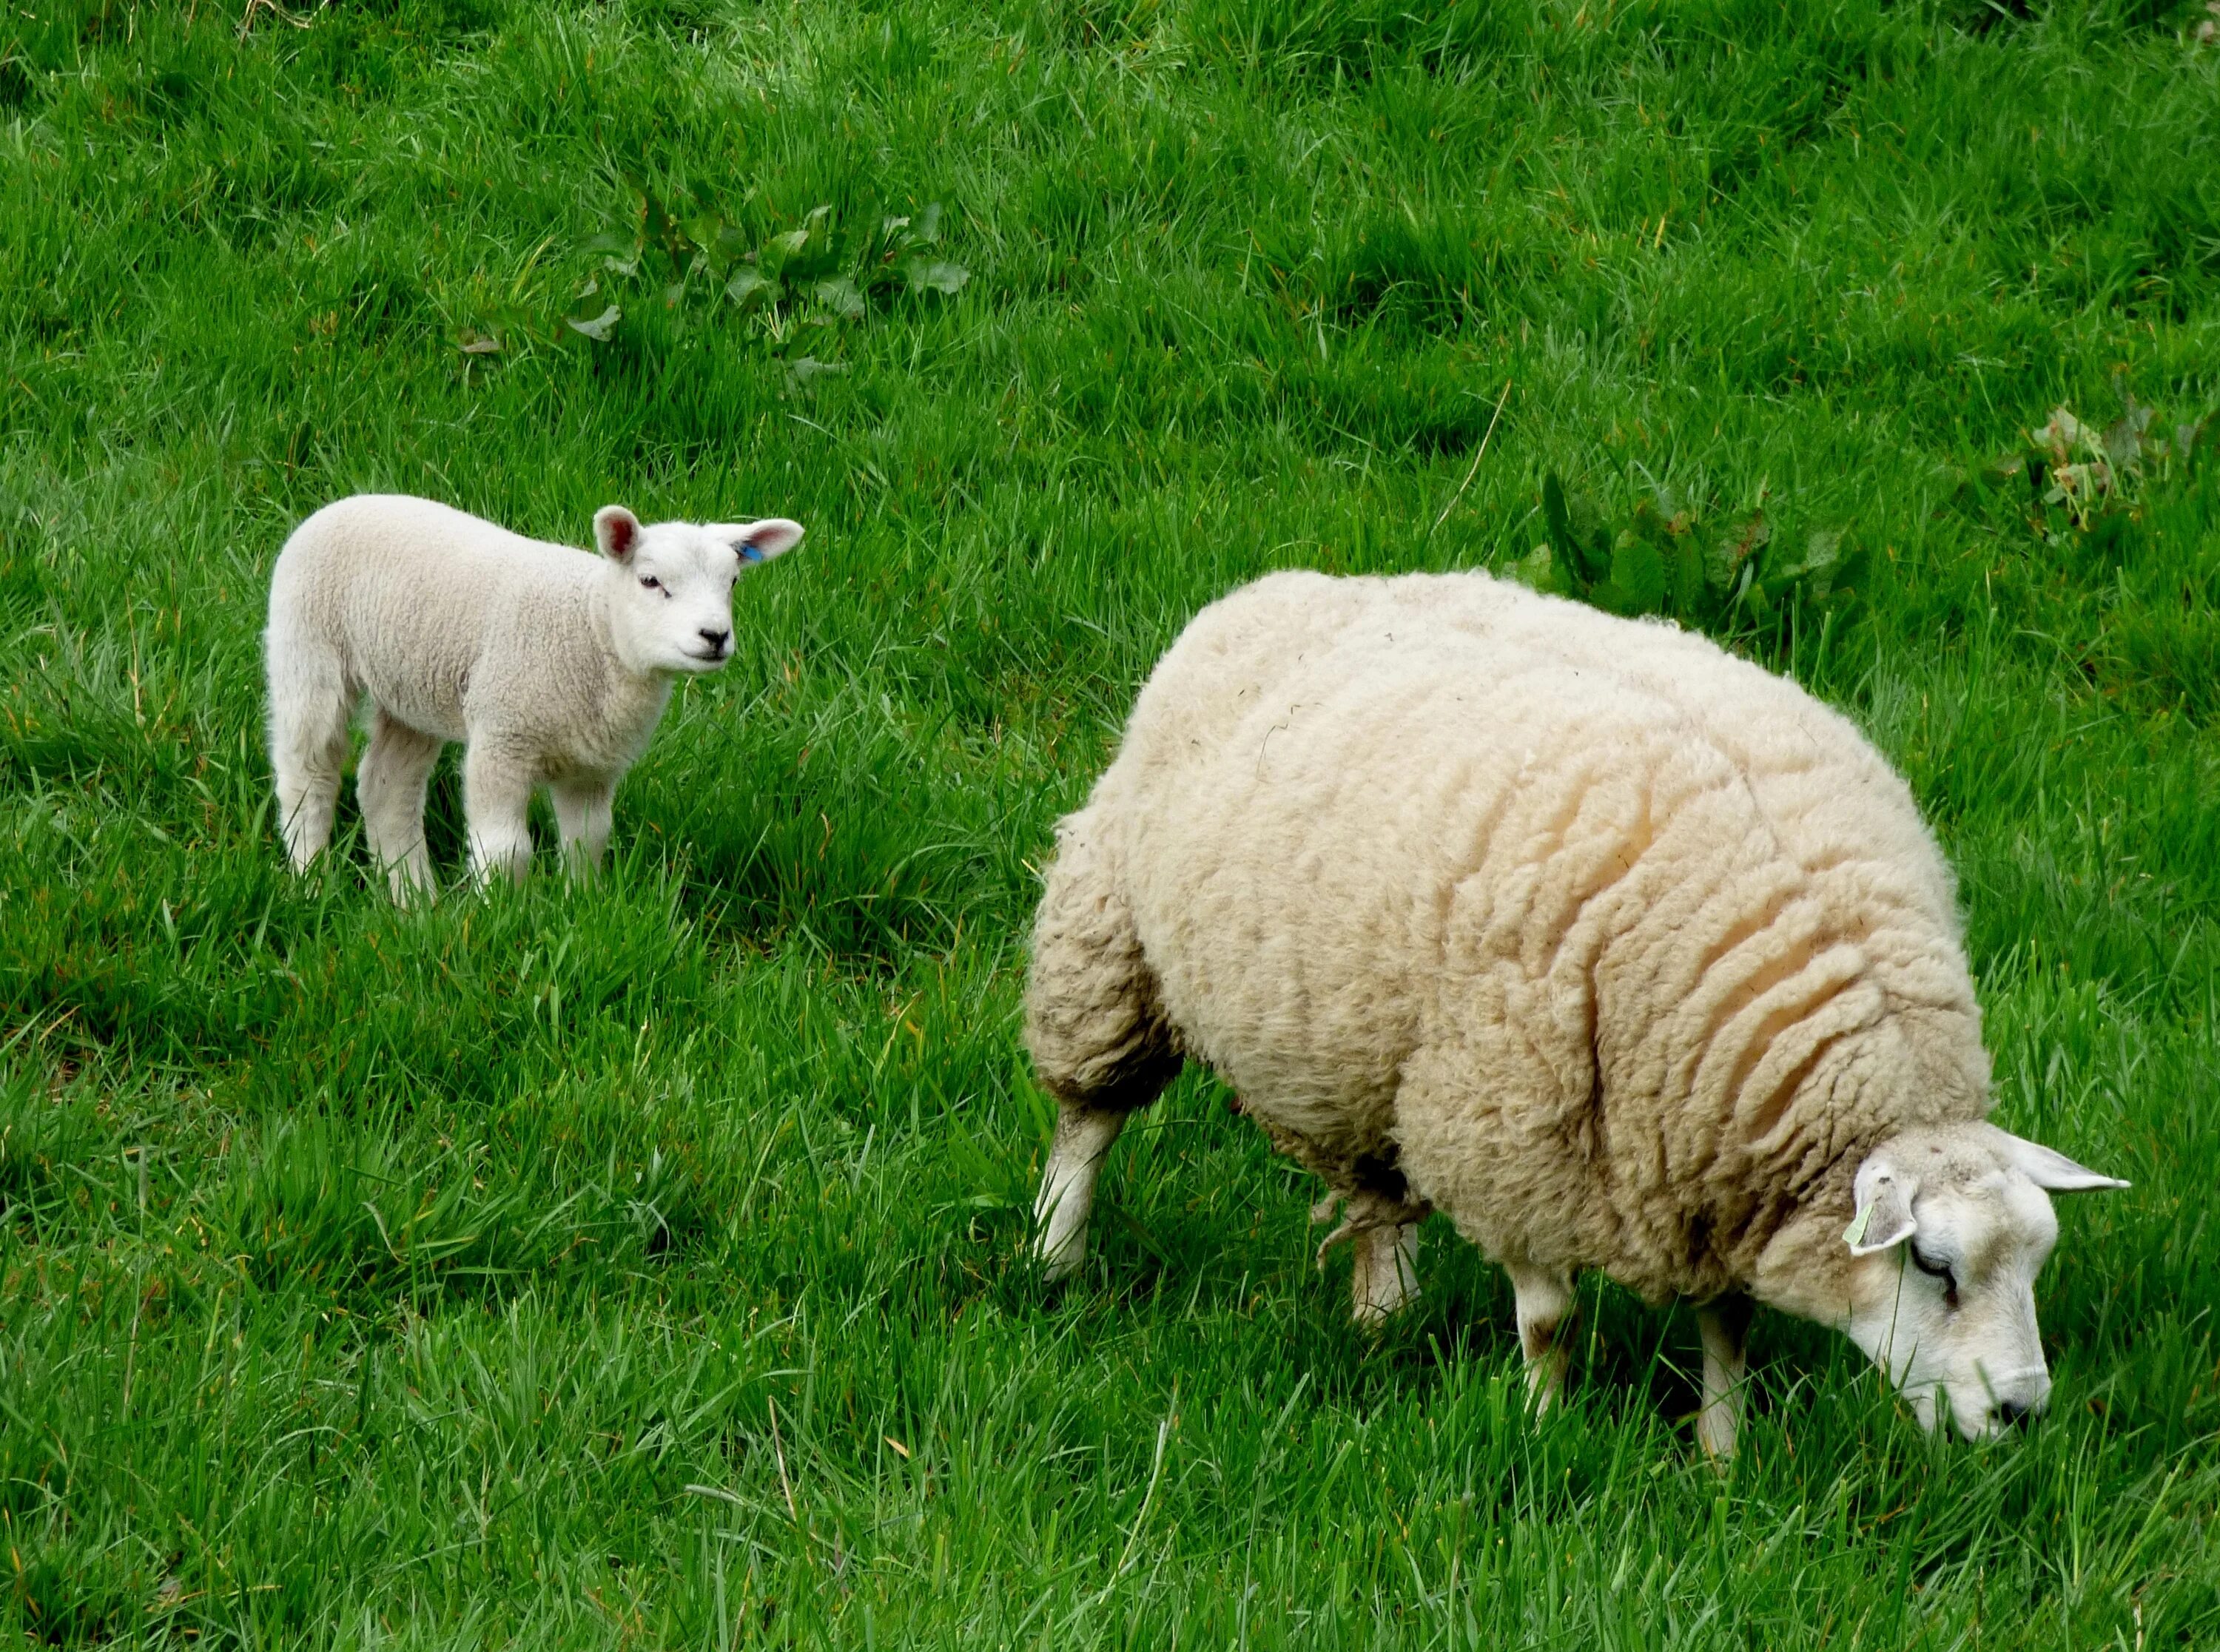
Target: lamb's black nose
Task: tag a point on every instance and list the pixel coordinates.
(715, 638)
(2011, 1413)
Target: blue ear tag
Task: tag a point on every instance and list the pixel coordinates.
(749, 553)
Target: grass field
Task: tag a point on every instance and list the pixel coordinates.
(641, 1265)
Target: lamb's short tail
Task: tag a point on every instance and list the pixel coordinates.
(311, 700)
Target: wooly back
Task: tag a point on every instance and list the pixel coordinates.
(1623, 952)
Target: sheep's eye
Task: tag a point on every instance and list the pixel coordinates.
(1936, 1271)
(650, 582)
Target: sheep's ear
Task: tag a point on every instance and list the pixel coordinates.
(2053, 1170)
(1884, 1215)
(760, 541)
(616, 530)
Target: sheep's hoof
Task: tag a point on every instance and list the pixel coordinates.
(1716, 1429)
(1375, 1308)
(1545, 1381)
(1054, 1270)
(1057, 1257)
(1383, 1275)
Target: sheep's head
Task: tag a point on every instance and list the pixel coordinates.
(1951, 1226)
(670, 606)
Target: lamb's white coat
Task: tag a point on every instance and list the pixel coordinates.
(553, 664)
(1624, 953)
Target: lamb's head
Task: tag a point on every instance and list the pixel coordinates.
(670, 597)
(1951, 1226)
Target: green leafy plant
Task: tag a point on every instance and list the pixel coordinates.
(2110, 509)
(797, 288)
(2089, 486)
(1665, 559)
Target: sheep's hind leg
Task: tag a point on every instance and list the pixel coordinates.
(1384, 1279)
(1725, 1323)
(1379, 1221)
(1083, 1138)
(391, 781)
(310, 703)
(1545, 1310)
(582, 814)
(1099, 1040)
(496, 799)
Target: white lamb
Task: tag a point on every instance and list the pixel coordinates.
(552, 664)
(1623, 953)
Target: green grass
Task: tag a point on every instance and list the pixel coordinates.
(640, 1265)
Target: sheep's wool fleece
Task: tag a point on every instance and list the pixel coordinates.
(1617, 947)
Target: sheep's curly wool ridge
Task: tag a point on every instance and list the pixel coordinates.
(1613, 947)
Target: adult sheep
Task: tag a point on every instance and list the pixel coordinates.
(1625, 954)
(553, 664)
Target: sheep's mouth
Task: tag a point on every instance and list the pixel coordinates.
(716, 658)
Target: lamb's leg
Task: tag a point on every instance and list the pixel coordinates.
(581, 817)
(1724, 1322)
(391, 781)
(496, 799)
(309, 706)
(1384, 1279)
(1099, 1040)
(1545, 1309)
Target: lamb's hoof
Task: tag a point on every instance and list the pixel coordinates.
(412, 893)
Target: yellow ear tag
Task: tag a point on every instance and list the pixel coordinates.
(1855, 1233)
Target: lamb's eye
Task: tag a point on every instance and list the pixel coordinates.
(650, 582)
(1936, 1271)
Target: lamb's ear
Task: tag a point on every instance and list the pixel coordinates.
(1883, 1216)
(616, 530)
(2053, 1170)
(760, 541)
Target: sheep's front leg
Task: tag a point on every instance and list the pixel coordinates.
(1545, 1310)
(583, 811)
(1724, 1322)
(496, 800)
(1384, 1279)
(1083, 1136)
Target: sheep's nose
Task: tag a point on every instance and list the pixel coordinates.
(715, 638)
(2012, 1413)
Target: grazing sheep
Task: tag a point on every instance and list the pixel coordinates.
(1622, 952)
(552, 664)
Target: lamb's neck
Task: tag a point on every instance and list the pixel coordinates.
(636, 701)
(633, 701)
